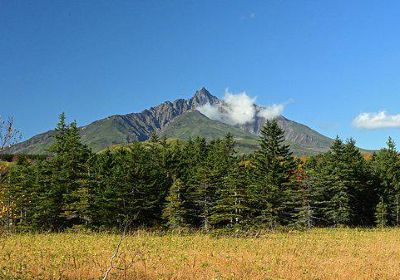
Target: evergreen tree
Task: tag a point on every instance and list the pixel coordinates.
(196, 183)
(130, 184)
(76, 200)
(19, 190)
(339, 209)
(274, 169)
(381, 214)
(154, 138)
(215, 161)
(385, 167)
(345, 190)
(306, 199)
(175, 211)
(69, 191)
(361, 186)
(231, 208)
(203, 195)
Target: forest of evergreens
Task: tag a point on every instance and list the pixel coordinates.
(195, 184)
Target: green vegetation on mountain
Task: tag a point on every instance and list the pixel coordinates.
(194, 124)
(179, 119)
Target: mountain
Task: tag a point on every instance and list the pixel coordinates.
(180, 119)
(194, 123)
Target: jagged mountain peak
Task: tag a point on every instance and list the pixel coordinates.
(203, 92)
(202, 97)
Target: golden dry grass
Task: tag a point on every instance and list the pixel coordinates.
(317, 254)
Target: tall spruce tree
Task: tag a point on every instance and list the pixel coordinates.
(69, 191)
(361, 185)
(347, 191)
(307, 199)
(385, 166)
(274, 169)
(214, 163)
(232, 206)
(339, 211)
(130, 184)
(175, 212)
(381, 213)
(20, 189)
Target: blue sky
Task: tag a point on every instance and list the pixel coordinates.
(91, 59)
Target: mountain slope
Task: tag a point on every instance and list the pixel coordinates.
(179, 119)
(194, 123)
(121, 128)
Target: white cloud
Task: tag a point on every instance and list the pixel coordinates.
(212, 112)
(239, 109)
(271, 112)
(376, 120)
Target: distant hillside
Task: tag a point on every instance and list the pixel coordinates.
(192, 124)
(179, 119)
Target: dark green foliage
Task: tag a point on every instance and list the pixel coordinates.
(381, 214)
(199, 184)
(175, 212)
(67, 180)
(19, 191)
(273, 180)
(386, 168)
(232, 205)
(15, 158)
(342, 187)
(129, 184)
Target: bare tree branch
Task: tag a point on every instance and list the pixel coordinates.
(115, 255)
(9, 136)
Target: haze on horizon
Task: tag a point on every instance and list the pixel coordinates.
(332, 66)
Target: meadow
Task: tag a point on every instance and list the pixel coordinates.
(314, 254)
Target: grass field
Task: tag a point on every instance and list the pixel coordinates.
(317, 254)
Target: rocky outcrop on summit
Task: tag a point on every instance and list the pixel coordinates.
(157, 118)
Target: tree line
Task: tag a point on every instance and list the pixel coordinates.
(199, 184)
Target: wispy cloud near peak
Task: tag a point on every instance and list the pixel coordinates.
(240, 109)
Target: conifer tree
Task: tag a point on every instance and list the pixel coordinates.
(214, 163)
(175, 211)
(203, 195)
(307, 200)
(274, 168)
(130, 184)
(154, 138)
(362, 190)
(339, 210)
(386, 169)
(20, 190)
(381, 214)
(232, 206)
(200, 184)
(69, 179)
(77, 198)
(345, 186)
